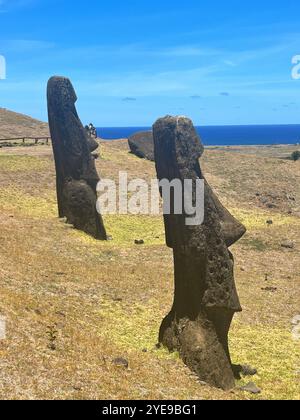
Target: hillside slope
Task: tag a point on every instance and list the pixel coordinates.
(13, 124)
(73, 305)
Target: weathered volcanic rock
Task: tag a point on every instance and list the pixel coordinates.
(288, 244)
(121, 362)
(205, 298)
(76, 175)
(142, 145)
(251, 388)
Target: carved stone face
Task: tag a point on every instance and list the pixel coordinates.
(178, 141)
(62, 93)
(168, 133)
(68, 133)
(205, 247)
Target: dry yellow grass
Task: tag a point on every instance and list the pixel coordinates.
(13, 124)
(106, 300)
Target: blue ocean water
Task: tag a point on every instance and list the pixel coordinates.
(225, 135)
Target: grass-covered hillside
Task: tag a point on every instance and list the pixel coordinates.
(74, 304)
(14, 125)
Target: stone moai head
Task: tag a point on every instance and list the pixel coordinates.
(178, 149)
(76, 173)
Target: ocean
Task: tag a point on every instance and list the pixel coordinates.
(237, 135)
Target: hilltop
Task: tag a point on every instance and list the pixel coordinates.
(13, 124)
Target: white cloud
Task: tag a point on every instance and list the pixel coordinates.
(137, 51)
(186, 51)
(149, 84)
(2, 68)
(24, 45)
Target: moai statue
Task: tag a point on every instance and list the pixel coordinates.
(205, 294)
(76, 174)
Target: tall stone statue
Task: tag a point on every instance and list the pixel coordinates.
(76, 174)
(205, 293)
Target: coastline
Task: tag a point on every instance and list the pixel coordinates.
(222, 145)
(234, 135)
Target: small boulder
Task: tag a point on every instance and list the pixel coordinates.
(269, 289)
(248, 371)
(121, 362)
(77, 387)
(296, 321)
(38, 312)
(243, 370)
(251, 388)
(288, 244)
(139, 242)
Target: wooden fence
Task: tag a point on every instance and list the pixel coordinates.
(24, 139)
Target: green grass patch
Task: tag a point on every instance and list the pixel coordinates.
(115, 155)
(276, 356)
(256, 219)
(255, 244)
(16, 201)
(271, 350)
(11, 163)
(134, 327)
(125, 229)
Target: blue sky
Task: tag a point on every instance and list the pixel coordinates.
(133, 61)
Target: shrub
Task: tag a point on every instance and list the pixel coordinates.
(296, 155)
